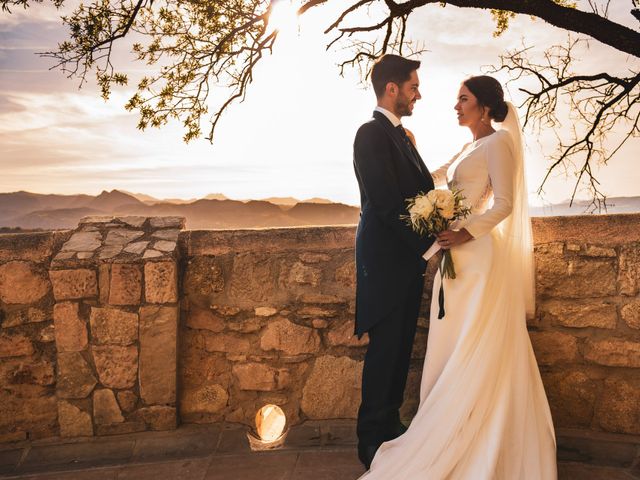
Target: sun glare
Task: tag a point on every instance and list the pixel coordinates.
(284, 15)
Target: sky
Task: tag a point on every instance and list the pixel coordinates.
(293, 134)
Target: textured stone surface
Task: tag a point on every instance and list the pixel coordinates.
(315, 312)
(83, 242)
(629, 269)
(75, 377)
(630, 313)
(289, 338)
(160, 282)
(126, 284)
(105, 408)
(109, 251)
(205, 399)
(252, 278)
(554, 347)
(614, 352)
(168, 222)
(117, 366)
(304, 275)
(159, 417)
(227, 343)
(619, 407)
(15, 345)
(575, 278)
(113, 326)
(73, 421)
(23, 316)
(265, 311)
(20, 283)
(333, 388)
(121, 237)
(136, 247)
(171, 235)
(127, 400)
(203, 276)
(579, 315)
(164, 246)
(308, 257)
(73, 284)
(571, 395)
(150, 253)
(205, 320)
(158, 333)
(346, 274)
(342, 334)
(255, 376)
(19, 371)
(70, 330)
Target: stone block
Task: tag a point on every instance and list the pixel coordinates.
(613, 352)
(121, 237)
(151, 253)
(205, 399)
(127, 400)
(168, 222)
(109, 251)
(572, 396)
(253, 278)
(342, 334)
(227, 343)
(73, 284)
(619, 407)
(554, 347)
(575, 278)
(135, 221)
(346, 274)
(629, 269)
(203, 276)
(165, 246)
(20, 283)
(73, 421)
(160, 282)
(17, 345)
(112, 326)
(308, 257)
(25, 315)
(104, 280)
(75, 377)
(290, 338)
(255, 376)
(83, 242)
(301, 274)
(105, 408)
(332, 389)
(136, 247)
(630, 313)
(248, 325)
(580, 314)
(596, 251)
(126, 284)
(158, 337)
(159, 418)
(316, 312)
(117, 366)
(265, 311)
(171, 235)
(202, 319)
(32, 371)
(47, 334)
(70, 330)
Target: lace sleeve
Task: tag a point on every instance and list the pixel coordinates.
(501, 175)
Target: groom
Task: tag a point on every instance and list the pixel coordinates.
(389, 253)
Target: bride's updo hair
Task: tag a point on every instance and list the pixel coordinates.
(489, 93)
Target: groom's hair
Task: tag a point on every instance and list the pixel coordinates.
(391, 68)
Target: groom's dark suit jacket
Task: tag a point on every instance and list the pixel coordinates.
(388, 251)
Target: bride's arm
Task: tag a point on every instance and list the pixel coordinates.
(501, 174)
(440, 174)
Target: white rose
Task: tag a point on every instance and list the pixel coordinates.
(422, 207)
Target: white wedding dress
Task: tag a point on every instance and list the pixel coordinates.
(483, 412)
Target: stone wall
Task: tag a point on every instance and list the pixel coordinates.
(90, 325)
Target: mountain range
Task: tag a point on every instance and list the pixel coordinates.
(31, 211)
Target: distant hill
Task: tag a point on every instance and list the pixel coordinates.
(30, 211)
(36, 211)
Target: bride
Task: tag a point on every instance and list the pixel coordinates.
(483, 412)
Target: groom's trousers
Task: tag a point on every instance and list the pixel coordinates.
(386, 366)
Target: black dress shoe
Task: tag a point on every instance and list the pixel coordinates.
(366, 454)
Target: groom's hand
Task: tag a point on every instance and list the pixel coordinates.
(453, 238)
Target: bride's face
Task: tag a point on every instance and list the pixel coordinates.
(468, 109)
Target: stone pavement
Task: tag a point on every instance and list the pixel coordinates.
(313, 451)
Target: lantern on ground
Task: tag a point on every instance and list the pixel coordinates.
(271, 424)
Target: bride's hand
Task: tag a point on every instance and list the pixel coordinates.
(453, 238)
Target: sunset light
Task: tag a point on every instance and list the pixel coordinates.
(284, 15)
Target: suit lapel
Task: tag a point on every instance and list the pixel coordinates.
(412, 157)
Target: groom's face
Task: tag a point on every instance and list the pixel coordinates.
(408, 94)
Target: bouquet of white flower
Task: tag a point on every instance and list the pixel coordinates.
(434, 212)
